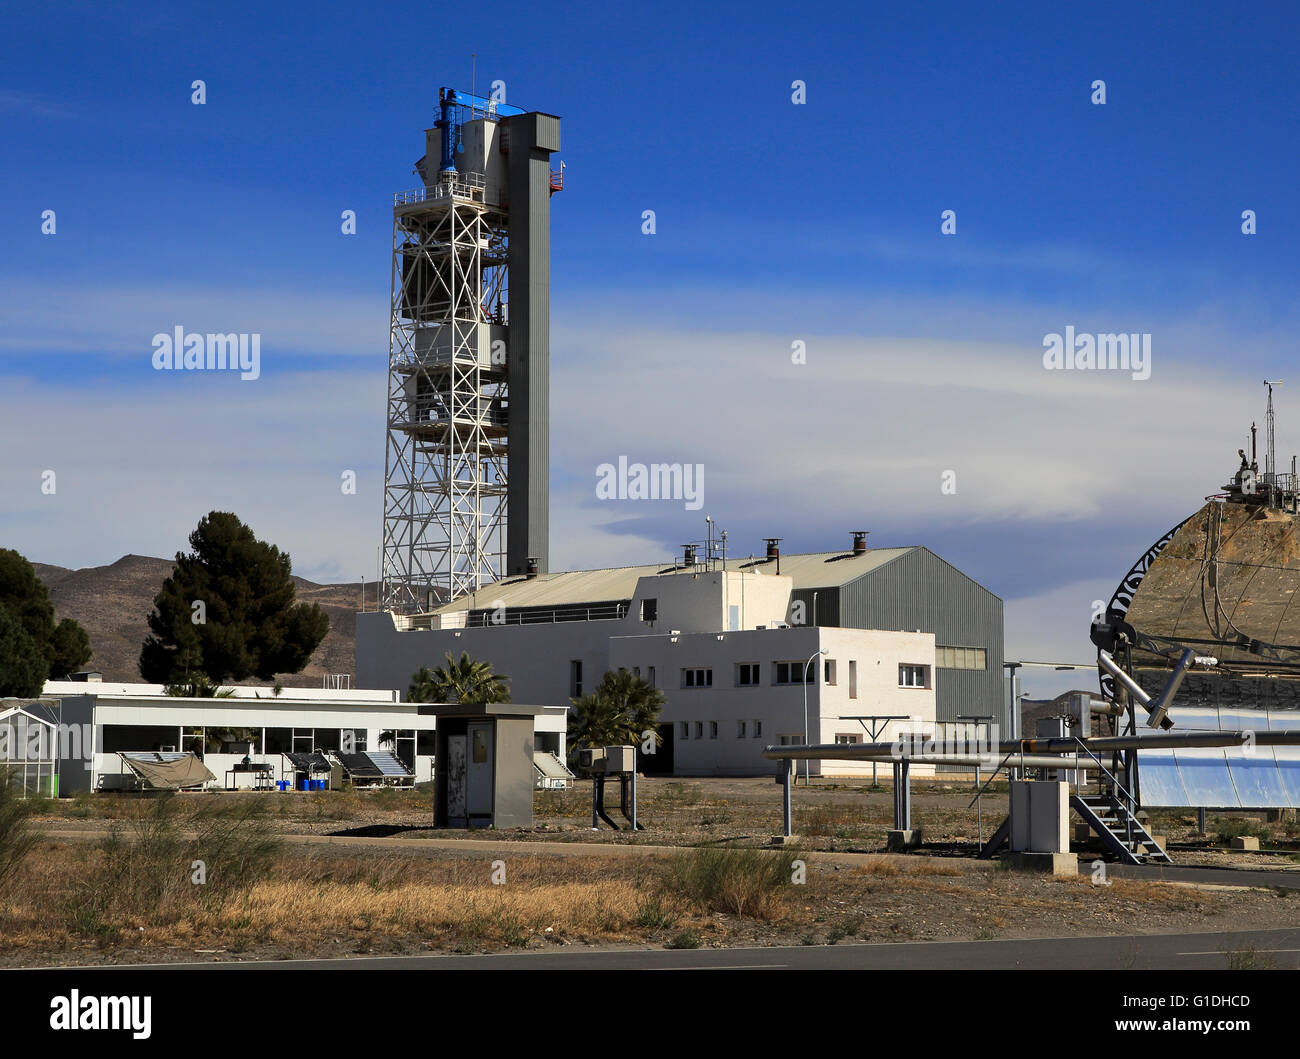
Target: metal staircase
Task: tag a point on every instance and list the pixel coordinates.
(1122, 833)
(1109, 812)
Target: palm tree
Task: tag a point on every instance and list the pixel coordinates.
(619, 711)
(468, 682)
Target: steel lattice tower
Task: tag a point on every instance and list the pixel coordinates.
(454, 358)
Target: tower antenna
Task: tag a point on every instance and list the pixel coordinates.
(1270, 445)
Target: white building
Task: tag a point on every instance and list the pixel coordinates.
(98, 720)
(728, 648)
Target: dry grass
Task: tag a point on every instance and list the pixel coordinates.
(305, 899)
(834, 820)
(743, 882)
(911, 866)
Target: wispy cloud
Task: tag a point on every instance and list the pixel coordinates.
(122, 320)
(32, 104)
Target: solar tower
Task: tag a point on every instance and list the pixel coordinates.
(466, 488)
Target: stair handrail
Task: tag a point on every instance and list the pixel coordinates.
(1129, 799)
(992, 775)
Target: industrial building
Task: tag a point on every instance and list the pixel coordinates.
(900, 637)
(92, 724)
(892, 639)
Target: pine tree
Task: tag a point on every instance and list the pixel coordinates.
(227, 612)
(62, 649)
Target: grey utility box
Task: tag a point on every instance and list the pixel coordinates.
(483, 768)
(607, 759)
(1040, 812)
(620, 759)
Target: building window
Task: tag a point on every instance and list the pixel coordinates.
(790, 740)
(912, 676)
(686, 729)
(650, 610)
(830, 671)
(697, 678)
(758, 729)
(792, 672)
(650, 676)
(575, 678)
(740, 729)
(713, 729)
(961, 658)
(699, 729)
(636, 672)
(847, 737)
(853, 679)
(747, 675)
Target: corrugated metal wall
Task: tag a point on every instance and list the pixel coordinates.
(919, 590)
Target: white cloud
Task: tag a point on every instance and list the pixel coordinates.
(864, 429)
(110, 319)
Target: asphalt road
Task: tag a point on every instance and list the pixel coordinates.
(1278, 949)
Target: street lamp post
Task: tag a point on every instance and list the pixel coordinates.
(807, 762)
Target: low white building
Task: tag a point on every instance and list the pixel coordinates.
(719, 643)
(98, 720)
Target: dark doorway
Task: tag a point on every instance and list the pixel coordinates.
(660, 763)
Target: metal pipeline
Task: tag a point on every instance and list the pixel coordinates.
(913, 749)
(992, 762)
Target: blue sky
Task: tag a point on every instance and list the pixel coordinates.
(775, 222)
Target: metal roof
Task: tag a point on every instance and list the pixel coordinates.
(811, 570)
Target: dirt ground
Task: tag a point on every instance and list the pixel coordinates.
(847, 816)
(332, 889)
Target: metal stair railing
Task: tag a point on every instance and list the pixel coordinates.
(1123, 805)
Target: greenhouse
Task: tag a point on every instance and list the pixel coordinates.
(29, 747)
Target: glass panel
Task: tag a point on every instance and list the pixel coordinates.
(1194, 718)
(1161, 783)
(1258, 784)
(1288, 772)
(1206, 779)
(1241, 720)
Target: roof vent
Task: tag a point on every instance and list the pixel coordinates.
(773, 547)
(860, 542)
(688, 554)
(530, 571)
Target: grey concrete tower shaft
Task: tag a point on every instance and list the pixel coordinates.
(531, 138)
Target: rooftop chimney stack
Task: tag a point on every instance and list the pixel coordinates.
(860, 542)
(773, 547)
(532, 567)
(688, 554)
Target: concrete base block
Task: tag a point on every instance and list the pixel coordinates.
(1061, 865)
(785, 840)
(1244, 842)
(896, 841)
(1161, 840)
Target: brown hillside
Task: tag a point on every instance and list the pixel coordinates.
(113, 602)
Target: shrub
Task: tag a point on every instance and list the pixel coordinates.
(16, 835)
(687, 939)
(1230, 827)
(746, 882)
(147, 871)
